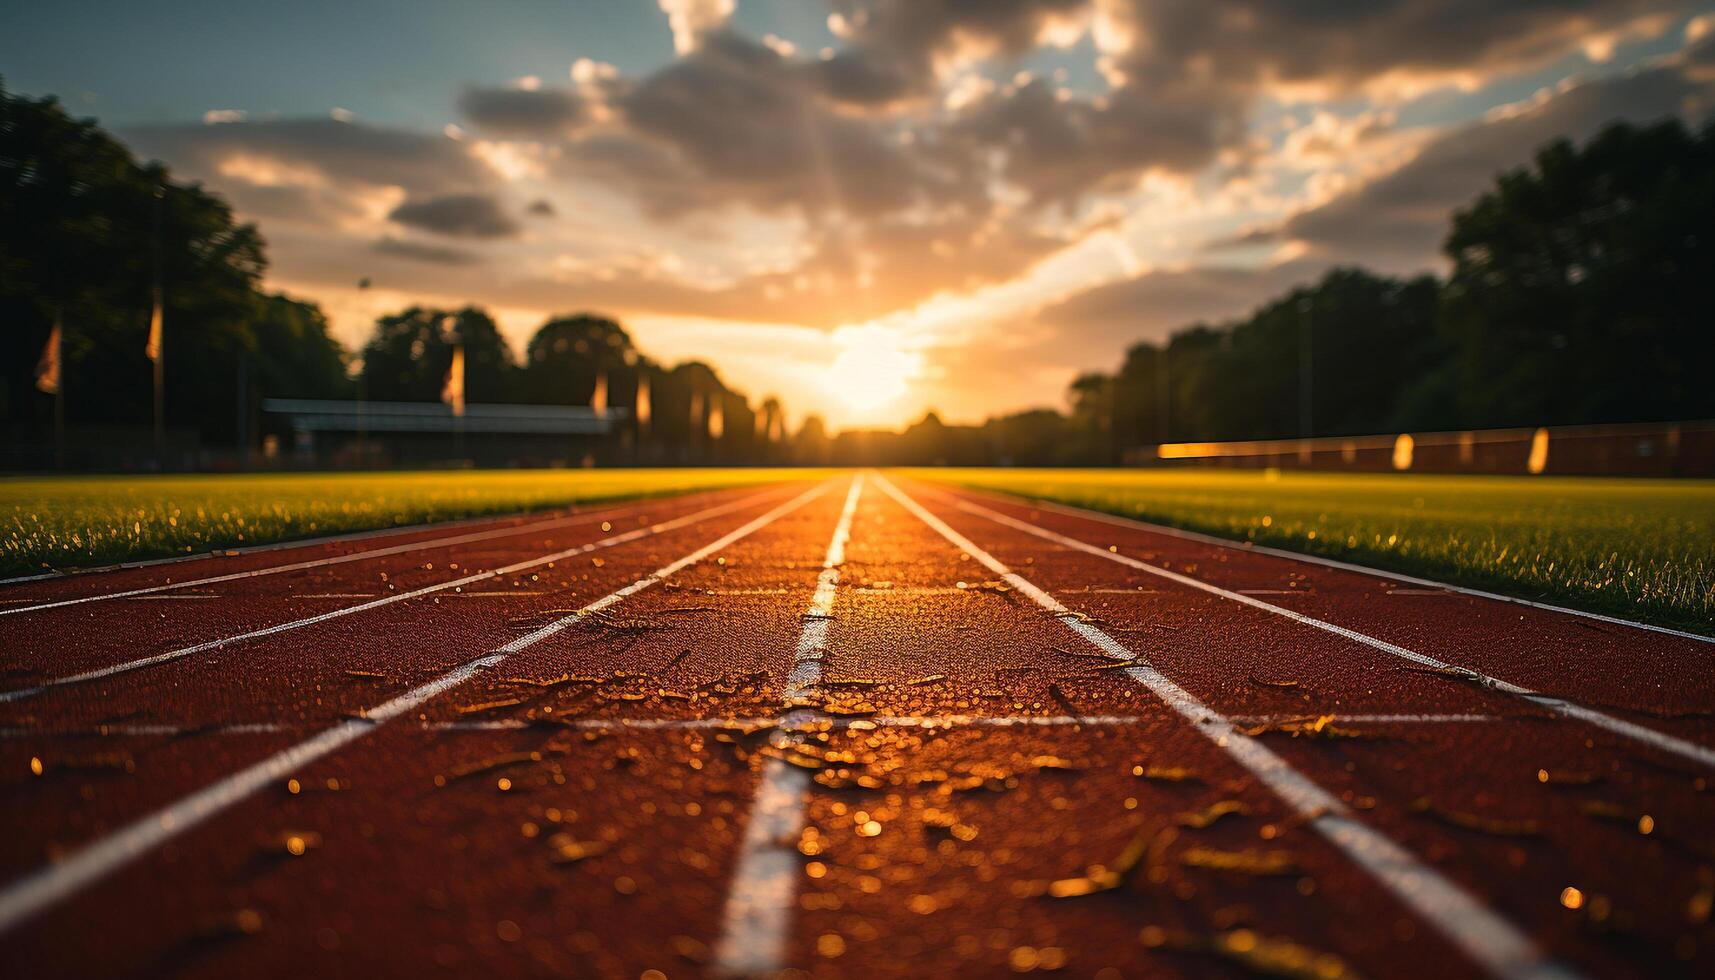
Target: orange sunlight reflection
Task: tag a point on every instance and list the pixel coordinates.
(871, 369)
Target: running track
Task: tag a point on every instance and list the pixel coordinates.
(858, 727)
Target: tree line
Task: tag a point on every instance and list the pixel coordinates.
(86, 232)
(1580, 291)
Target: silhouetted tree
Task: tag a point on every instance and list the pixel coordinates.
(295, 357)
(568, 353)
(810, 446)
(78, 229)
(1583, 287)
(1037, 437)
(408, 357)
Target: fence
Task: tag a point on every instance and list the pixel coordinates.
(1661, 449)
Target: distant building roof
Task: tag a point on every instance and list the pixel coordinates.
(329, 415)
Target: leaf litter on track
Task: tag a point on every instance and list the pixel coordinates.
(1309, 726)
(1247, 862)
(1493, 826)
(1253, 952)
(1212, 814)
(1166, 774)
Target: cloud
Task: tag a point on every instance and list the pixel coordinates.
(457, 215)
(740, 118)
(1396, 222)
(525, 113)
(1109, 318)
(334, 151)
(691, 19)
(895, 48)
(1185, 74)
(423, 252)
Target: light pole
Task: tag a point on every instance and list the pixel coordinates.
(362, 400)
(1164, 391)
(1306, 378)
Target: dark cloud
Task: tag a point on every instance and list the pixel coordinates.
(1397, 222)
(1062, 149)
(1393, 224)
(457, 215)
(1186, 73)
(739, 116)
(542, 208)
(424, 252)
(1105, 320)
(525, 114)
(1344, 44)
(893, 44)
(338, 151)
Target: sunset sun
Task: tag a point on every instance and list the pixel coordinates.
(872, 371)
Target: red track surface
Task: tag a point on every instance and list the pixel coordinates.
(597, 826)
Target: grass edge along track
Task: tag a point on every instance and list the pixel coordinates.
(57, 523)
(1637, 549)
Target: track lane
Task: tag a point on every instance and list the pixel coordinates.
(128, 582)
(75, 666)
(756, 918)
(1664, 683)
(1625, 625)
(628, 788)
(1435, 788)
(907, 890)
(304, 682)
(1488, 939)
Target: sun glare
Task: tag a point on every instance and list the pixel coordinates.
(871, 370)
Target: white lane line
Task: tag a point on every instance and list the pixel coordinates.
(758, 912)
(20, 694)
(1700, 754)
(574, 520)
(254, 549)
(785, 724)
(26, 896)
(1484, 936)
(1345, 566)
(597, 724)
(1372, 719)
(143, 731)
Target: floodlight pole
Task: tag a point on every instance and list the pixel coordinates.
(1306, 379)
(1164, 391)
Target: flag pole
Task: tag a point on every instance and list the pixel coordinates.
(59, 393)
(156, 347)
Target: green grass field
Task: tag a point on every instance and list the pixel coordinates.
(82, 521)
(1643, 549)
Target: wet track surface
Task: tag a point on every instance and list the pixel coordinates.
(853, 728)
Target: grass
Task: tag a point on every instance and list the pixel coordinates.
(56, 523)
(1641, 549)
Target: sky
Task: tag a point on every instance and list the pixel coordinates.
(869, 208)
